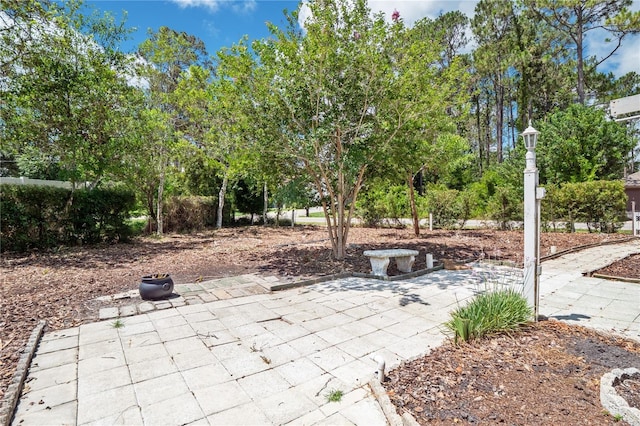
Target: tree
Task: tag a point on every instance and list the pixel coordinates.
(166, 54)
(64, 91)
(493, 28)
(247, 198)
(449, 34)
(146, 163)
(576, 18)
(22, 25)
(337, 102)
(434, 93)
(217, 112)
(327, 86)
(580, 144)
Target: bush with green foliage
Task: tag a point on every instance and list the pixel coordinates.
(600, 204)
(467, 206)
(100, 214)
(248, 198)
(380, 201)
(604, 205)
(488, 313)
(505, 206)
(41, 217)
(30, 215)
(581, 144)
(443, 205)
(498, 193)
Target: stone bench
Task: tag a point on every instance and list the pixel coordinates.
(380, 260)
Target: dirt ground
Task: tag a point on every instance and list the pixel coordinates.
(547, 374)
(629, 268)
(59, 286)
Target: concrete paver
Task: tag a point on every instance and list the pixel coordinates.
(63, 414)
(569, 296)
(54, 359)
(273, 358)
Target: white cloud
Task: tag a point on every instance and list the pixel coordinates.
(304, 14)
(246, 6)
(212, 5)
(211, 28)
(410, 10)
(240, 6)
(625, 60)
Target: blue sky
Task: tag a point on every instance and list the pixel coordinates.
(217, 23)
(221, 23)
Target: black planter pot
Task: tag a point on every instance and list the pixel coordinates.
(156, 286)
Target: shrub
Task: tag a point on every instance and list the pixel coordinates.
(100, 214)
(467, 203)
(550, 210)
(505, 206)
(604, 205)
(601, 204)
(30, 216)
(489, 313)
(43, 217)
(185, 214)
(443, 204)
(382, 201)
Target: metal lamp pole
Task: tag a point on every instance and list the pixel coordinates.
(532, 197)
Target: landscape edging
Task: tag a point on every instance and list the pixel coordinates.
(614, 278)
(586, 246)
(12, 394)
(388, 409)
(614, 403)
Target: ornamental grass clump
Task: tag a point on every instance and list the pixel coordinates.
(488, 313)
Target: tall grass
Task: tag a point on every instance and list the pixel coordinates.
(488, 313)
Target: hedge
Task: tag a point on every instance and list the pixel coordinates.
(41, 217)
(600, 204)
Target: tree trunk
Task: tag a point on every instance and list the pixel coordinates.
(340, 242)
(479, 128)
(579, 47)
(512, 124)
(159, 220)
(221, 195)
(487, 128)
(338, 221)
(412, 201)
(151, 212)
(499, 118)
(265, 207)
(420, 184)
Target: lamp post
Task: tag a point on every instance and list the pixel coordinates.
(532, 197)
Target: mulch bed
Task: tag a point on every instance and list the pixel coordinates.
(627, 268)
(61, 286)
(549, 373)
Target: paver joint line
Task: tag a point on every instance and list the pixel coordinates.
(305, 362)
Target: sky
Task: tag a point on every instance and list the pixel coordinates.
(220, 23)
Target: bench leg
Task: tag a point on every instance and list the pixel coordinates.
(379, 265)
(405, 263)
